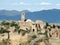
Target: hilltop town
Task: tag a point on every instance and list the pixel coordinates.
(28, 32)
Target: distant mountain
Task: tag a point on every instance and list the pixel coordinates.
(52, 16)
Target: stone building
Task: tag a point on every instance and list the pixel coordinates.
(29, 24)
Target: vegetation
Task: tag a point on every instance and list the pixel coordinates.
(41, 33)
(13, 24)
(5, 31)
(34, 36)
(54, 26)
(37, 42)
(46, 34)
(58, 27)
(5, 23)
(47, 24)
(49, 29)
(23, 31)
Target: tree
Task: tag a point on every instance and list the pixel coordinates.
(5, 31)
(58, 27)
(8, 34)
(54, 26)
(47, 24)
(5, 23)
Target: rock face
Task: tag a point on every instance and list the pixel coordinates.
(54, 41)
(37, 39)
(49, 34)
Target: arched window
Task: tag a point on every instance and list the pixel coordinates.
(36, 25)
(33, 30)
(39, 26)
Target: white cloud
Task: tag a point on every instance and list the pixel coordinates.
(42, 8)
(20, 3)
(45, 3)
(34, 4)
(14, 4)
(58, 4)
(28, 9)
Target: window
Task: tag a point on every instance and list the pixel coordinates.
(33, 30)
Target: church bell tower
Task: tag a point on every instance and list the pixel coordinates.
(22, 16)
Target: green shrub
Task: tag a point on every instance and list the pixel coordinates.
(34, 36)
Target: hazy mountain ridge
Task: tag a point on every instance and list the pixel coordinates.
(52, 15)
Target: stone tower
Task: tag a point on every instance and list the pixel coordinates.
(22, 16)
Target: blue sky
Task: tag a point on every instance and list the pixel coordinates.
(32, 5)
